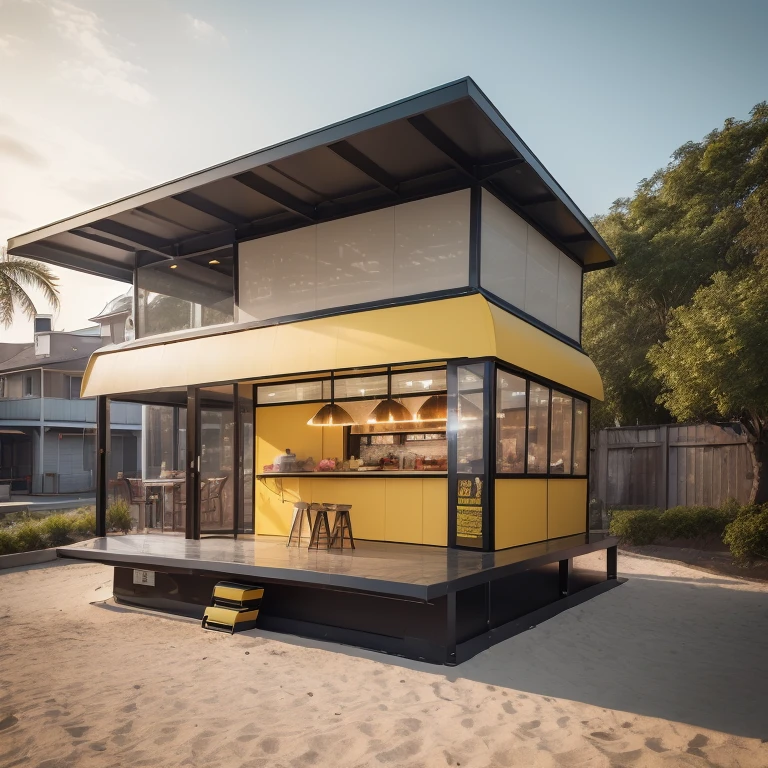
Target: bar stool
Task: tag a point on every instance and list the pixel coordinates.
(342, 526)
(320, 527)
(300, 509)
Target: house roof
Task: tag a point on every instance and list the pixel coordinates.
(447, 138)
(68, 350)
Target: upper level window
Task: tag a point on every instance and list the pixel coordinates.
(405, 250)
(186, 293)
(522, 267)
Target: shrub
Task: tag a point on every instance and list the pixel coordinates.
(636, 526)
(29, 535)
(58, 529)
(84, 522)
(747, 535)
(7, 541)
(119, 516)
(696, 522)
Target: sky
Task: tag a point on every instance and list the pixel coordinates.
(102, 98)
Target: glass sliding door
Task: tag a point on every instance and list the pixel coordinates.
(217, 476)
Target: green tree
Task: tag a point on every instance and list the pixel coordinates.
(713, 362)
(18, 275)
(683, 225)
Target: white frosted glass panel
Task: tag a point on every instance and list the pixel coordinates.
(503, 239)
(568, 297)
(541, 278)
(278, 274)
(354, 259)
(432, 244)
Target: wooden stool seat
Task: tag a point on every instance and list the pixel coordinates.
(300, 509)
(342, 526)
(321, 532)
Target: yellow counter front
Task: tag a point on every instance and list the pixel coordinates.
(411, 510)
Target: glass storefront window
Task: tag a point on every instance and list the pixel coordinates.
(418, 382)
(186, 293)
(510, 422)
(295, 392)
(580, 437)
(470, 456)
(562, 426)
(538, 429)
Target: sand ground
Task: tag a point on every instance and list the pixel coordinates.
(670, 669)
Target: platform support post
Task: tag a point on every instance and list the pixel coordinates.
(566, 568)
(102, 463)
(612, 560)
(450, 629)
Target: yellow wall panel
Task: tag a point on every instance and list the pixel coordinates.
(367, 497)
(275, 498)
(403, 510)
(521, 512)
(567, 512)
(435, 512)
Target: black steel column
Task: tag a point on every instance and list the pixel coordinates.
(475, 218)
(452, 426)
(193, 465)
(450, 629)
(612, 558)
(566, 567)
(237, 459)
(102, 463)
(489, 456)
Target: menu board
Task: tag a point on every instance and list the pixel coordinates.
(469, 510)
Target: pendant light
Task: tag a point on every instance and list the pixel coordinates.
(390, 411)
(331, 415)
(434, 408)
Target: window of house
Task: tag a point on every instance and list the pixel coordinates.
(3, 386)
(75, 384)
(28, 386)
(511, 407)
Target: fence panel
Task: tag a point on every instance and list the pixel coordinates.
(668, 466)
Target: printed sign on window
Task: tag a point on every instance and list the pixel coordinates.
(469, 509)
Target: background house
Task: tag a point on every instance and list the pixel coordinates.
(47, 432)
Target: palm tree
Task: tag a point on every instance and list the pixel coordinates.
(16, 275)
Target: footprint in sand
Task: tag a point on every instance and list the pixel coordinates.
(508, 708)
(8, 722)
(98, 746)
(530, 726)
(655, 745)
(76, 731)
(603, 736)
(270, 745)
(695, 744)
(467, 722)
(563, 721)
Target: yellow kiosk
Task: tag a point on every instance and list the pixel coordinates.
(383, 314)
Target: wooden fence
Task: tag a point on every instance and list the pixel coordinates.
(671, 465)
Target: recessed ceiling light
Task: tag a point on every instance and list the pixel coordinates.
(214, 261)
(174, 266)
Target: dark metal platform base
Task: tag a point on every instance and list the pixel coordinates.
(424, 603)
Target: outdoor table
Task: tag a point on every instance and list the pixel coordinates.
(163, 484)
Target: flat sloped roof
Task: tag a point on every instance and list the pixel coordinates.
(444, 139)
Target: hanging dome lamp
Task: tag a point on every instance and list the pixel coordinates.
(390, 411)
(331, 414)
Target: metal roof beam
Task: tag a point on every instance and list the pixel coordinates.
(208, 207)
(101, 239)
(277, 195)
(546, 197)
(446, 145)
(70, 258)
(492, 169)
(364, 164)
(134, 237)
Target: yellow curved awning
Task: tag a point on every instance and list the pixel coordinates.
(465, 326)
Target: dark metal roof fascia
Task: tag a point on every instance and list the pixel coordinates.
(499, 121)
(413, 105)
